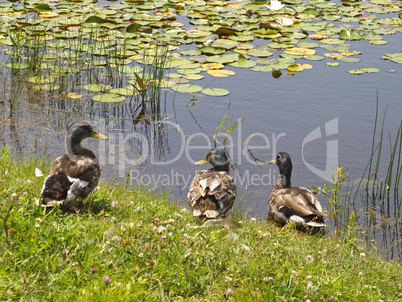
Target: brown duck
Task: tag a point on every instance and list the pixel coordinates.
(297, 204)
(73, 175)
(212, 192)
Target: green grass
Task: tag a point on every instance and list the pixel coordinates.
(149, 248)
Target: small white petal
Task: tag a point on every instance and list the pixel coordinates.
(38, 173)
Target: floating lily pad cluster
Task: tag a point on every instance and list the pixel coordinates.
(201, 38)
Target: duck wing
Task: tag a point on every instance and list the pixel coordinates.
(299, 201)
(71, 178)
(212, 193)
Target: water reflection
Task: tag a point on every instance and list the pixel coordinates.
(146, 137)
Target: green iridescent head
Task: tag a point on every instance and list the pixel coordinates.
(217, 158)
(284, 164)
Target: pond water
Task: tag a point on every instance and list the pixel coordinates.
(285, 112)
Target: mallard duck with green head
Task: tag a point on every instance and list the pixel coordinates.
(213, 192)
(297, 204)
(73, 175)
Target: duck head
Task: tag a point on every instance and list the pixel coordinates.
(76, 132)
(284, 164)
(217, 158)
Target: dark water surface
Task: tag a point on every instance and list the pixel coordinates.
(285, 110)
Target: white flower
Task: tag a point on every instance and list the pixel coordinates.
(267, 279)
(309, 258)
(245, 248)
(140, 255)
(36, 201)
(116, 238)
(275, 5)
(228, 279)
(252, 219)
(209, 41)
(284, 21)
(38, 173)
(160, 229)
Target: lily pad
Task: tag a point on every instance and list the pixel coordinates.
(223, 59)
(17, 65)
(186, 88)
(108, 98)
(333, 64)
(314, 57)
(215, 91)
(127, 91)
(260, 53)
(349, 59)
(194, 76)
(261, 68)
(190, 52)
(369, 69)
(295, 67)
(356, 72)
(95, 19)
(243, 62)
(350, 34)
(212, 50)
(300, 51)
(47, 87)
(222, 73)
(42, 7)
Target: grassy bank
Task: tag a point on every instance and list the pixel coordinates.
(135, 245)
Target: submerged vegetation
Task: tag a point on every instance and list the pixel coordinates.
(380, 192)
(136, 245)
(71, 47)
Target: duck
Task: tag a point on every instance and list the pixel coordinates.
(73, 175)
(297, 204)
(212, 192)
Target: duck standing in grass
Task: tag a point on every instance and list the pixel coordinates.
(73, 175)
(297, 204)
(213, 192)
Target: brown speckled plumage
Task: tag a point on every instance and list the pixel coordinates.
(298, 204)
(213, 192)
(74, 175)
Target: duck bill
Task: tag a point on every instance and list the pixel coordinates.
(201, 162)
(98, 135)
(272, 161)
